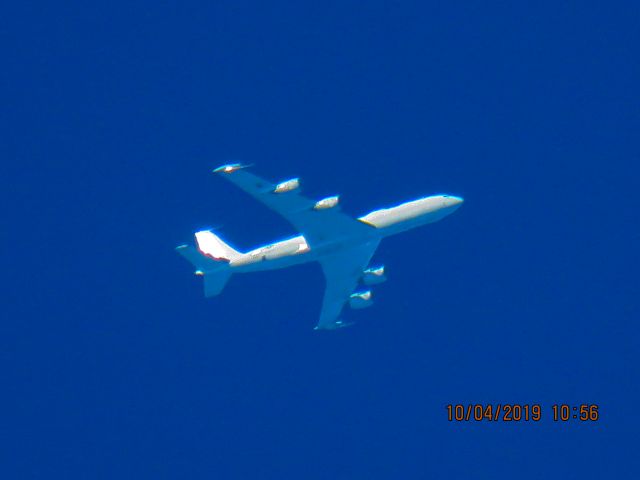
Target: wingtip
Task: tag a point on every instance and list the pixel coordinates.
(334, 326)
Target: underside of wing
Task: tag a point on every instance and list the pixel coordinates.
(342, 273)
(318, 221)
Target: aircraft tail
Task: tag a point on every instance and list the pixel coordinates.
(211, 260)
(214, 247)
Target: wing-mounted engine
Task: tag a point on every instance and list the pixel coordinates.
(232, 167)
(374, 275)
(287, 186)
(360, 300)
(326, 203)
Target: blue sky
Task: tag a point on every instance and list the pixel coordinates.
(115, 366)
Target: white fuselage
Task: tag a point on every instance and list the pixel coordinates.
(384, 222)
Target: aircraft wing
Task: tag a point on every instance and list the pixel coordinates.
(342, 273)
(315, 225)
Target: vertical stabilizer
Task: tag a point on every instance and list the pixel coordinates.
(214, 247)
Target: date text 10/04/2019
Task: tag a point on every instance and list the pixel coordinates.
(514, 412)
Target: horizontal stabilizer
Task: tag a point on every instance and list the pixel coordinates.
(216, 274)
(197, 259)
(214, 282)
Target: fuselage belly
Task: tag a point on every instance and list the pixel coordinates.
(384, 222)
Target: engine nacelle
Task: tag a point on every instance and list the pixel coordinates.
(374, 275)
(360, 300)
(328, 202)
(287, 186)
(232, 167)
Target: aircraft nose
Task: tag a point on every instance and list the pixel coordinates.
(453, 201)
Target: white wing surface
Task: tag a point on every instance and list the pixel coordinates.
(316, 225)
(342, 273)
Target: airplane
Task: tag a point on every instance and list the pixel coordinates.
(341, 244)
